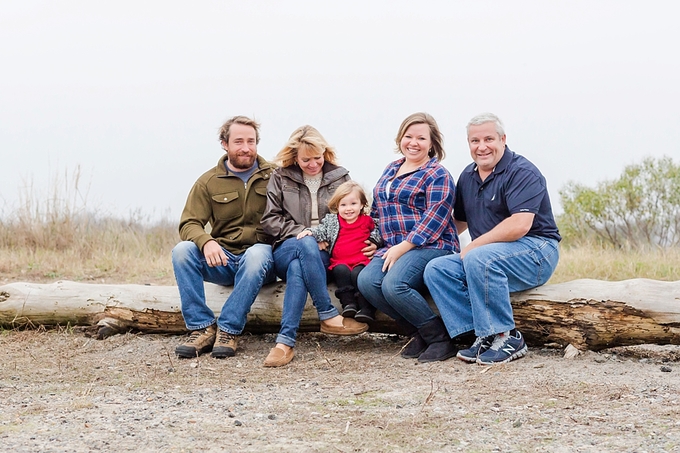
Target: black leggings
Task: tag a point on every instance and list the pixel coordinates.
(346, 279)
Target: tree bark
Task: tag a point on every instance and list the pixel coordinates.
(589, 314)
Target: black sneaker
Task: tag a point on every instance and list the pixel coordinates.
(505, 347)
(480, 345)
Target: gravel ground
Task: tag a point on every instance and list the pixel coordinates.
(64, 392)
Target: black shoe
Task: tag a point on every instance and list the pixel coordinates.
(415, 346)
(436, 352)
(349, 310)
(365, 315)
(440, 346)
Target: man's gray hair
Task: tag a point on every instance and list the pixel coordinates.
(487, 118)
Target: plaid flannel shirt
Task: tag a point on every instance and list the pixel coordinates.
(418, 209)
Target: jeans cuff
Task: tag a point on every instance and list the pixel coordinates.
(285, 340)
(229, 331)
(200, 326)
(461, 330)
(495, 331)
(332, 313)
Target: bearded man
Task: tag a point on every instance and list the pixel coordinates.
(231, 197)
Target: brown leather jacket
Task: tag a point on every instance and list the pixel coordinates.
(289, 202)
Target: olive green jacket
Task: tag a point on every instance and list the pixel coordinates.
(232, 209)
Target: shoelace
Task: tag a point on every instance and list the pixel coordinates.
(478, 342)
(225, 337)
(498, 342)
(481, 341)
(195, 334)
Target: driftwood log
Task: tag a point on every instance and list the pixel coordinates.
(588, 314)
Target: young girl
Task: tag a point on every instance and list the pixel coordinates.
(346, 230)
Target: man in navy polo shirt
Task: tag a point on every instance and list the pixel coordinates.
(503, 200)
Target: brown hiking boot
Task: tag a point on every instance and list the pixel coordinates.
(225, 345)
(199, 341)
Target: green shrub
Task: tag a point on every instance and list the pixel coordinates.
(639, 209)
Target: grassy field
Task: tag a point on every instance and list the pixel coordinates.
(84, 248)
(59, 237)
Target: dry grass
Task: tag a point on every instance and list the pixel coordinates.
(57, 236)
(614, 265)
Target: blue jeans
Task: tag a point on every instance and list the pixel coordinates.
(397, 292)
(303, 267)
(247, 272)
(474, 293)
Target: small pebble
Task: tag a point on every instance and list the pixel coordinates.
(238, 423)
(666, 369)
(271, 417)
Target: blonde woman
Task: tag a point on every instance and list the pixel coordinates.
(297, 197)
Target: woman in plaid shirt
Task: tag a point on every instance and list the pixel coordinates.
(413, 203)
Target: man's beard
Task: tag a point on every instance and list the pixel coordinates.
(242, 162)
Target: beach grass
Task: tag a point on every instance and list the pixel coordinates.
(59, 237)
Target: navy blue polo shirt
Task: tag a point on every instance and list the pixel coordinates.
(515, 185)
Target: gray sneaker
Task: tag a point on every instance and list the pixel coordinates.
(225, 345)
(199, 341)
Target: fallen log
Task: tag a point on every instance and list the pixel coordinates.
(588, 314)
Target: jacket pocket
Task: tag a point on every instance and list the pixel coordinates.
(260, 200)
(290, 188)
(227, 206)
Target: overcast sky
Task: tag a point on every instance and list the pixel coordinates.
(132, 92)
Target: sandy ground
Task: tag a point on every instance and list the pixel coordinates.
(62, 391)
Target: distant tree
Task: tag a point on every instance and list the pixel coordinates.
(639, 209)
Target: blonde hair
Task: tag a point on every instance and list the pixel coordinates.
(305, 139)
(345, 189)
(435, 134)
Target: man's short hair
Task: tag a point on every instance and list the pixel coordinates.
(238, 119)
(486, 118)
